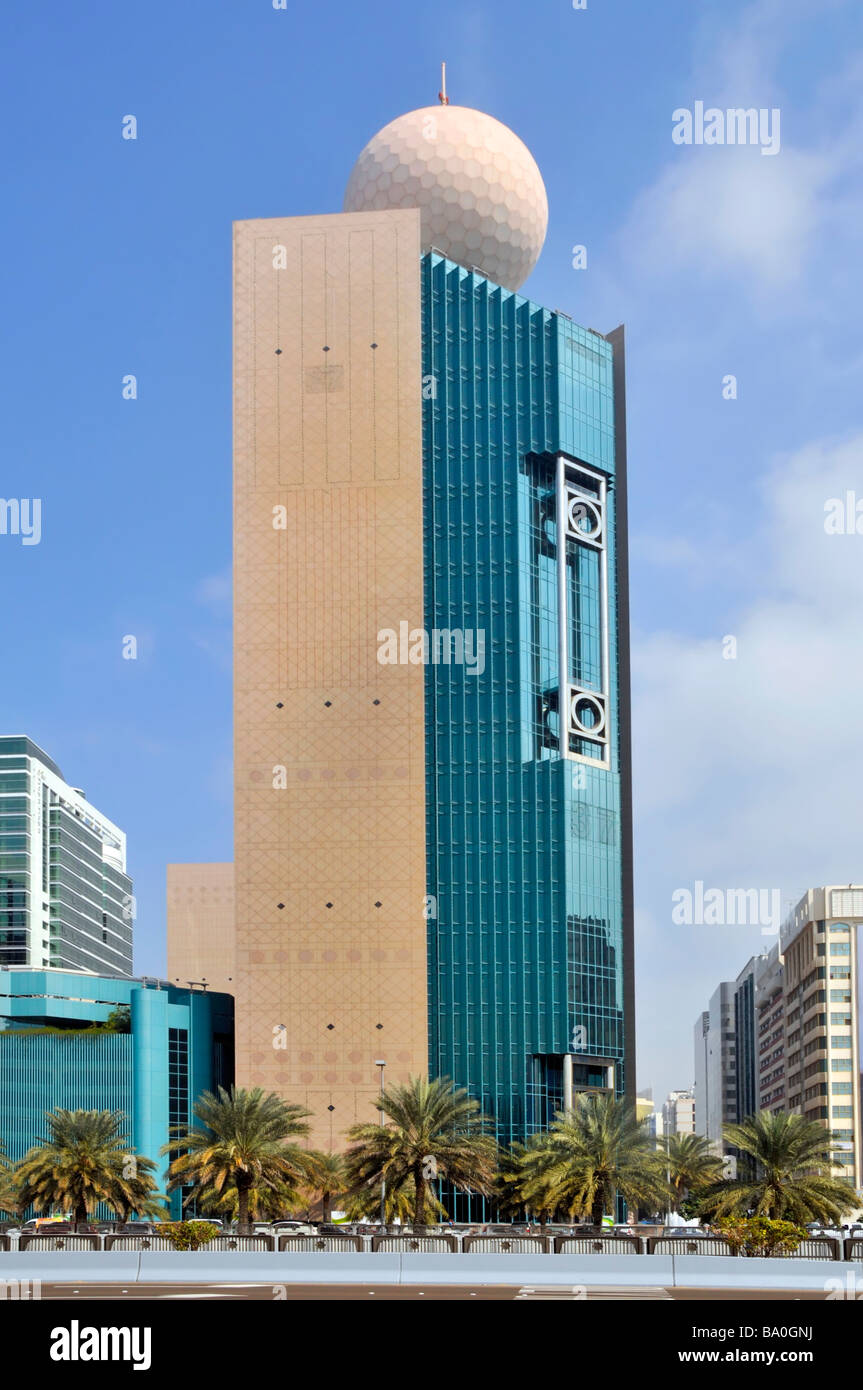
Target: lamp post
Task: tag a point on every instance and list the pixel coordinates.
(381, 1064)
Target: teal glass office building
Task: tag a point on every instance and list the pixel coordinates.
(528, 759)
(179, 1043)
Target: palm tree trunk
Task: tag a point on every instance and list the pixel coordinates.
(244, 1227)
(326, 1206)
(420, 1198)
(598, 1208)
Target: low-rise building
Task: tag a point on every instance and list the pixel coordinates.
(164, 1047)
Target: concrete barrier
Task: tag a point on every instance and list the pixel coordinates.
(270, 1268)
(722, 1272)
(71, 1266)
(316, 1267)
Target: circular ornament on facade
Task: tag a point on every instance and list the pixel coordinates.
(585, 517)
(587, 714)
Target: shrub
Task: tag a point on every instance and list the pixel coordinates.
(188, 1235)
(758, 1235)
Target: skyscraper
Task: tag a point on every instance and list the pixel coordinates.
(715, 1066)
(65, 897)
(433, 866)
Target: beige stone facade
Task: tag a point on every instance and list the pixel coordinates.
(329, 744)
(201, 925)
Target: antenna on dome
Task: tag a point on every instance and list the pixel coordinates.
(442, 96)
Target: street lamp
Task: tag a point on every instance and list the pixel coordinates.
(381, 1064)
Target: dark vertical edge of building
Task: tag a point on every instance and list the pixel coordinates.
(617, 340)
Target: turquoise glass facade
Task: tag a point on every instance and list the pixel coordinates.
(180, 1043)
(530, 919)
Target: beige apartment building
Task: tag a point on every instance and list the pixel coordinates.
(796, 1022)
(678, 1113)
(822, 1066)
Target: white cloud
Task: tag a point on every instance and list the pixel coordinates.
(727, 208)
(748, 772)
(729, 211)
(215, 590)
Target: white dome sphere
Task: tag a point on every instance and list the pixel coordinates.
(481, 197)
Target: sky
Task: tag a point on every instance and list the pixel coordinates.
(720, 260)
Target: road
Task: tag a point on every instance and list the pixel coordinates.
(269, 1293)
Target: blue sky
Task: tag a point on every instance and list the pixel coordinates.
(116, 259)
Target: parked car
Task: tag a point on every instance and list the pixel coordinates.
(47, 1225)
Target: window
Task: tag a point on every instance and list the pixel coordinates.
(842, 1112)
(841, 1088)
(840, 1064)
(846, 902)
(840, 948)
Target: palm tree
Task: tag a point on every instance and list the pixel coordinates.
(85, 1161)
(591, 1152)
(8, 1198)
(399, 1203)
(436, 1131)
(691, 1165)
(240, 1145)
(522, 1185)
(266, 1203)
(792, 1179)
(328, 1179)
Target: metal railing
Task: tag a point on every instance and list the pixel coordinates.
(335, 1244)
(827, 1248)
(815, 1248)
(506, 1245)
(428, 1244)
(70, 1242)
(599, 1245)
(138, 1243)
(688, 1245)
